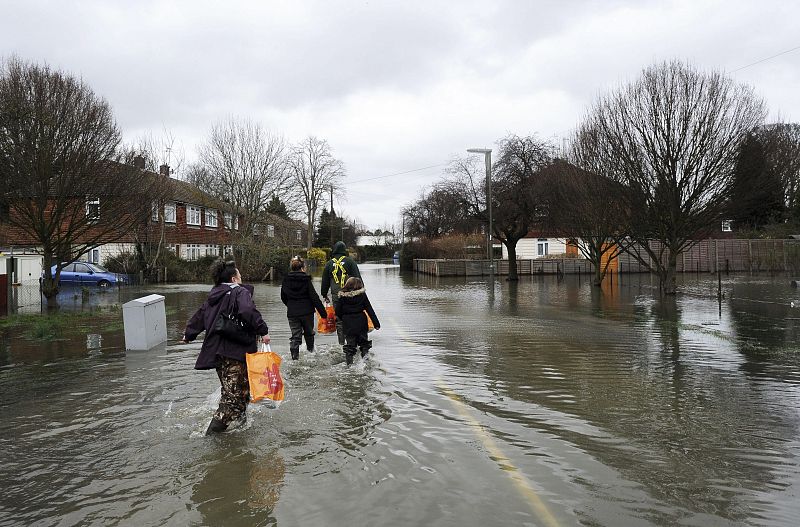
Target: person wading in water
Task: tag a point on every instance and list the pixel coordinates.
(338, 269)
(301, 299)
(221, 353)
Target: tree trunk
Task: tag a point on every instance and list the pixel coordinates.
(50, 290)
(49, 285)
(310, 232)
(596, 259)
(598, 274)
(511, 246)
(669, 285)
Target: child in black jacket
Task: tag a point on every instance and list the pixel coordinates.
(301, 299)
(353, 302)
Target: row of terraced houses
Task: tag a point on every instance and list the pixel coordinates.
(195, 224)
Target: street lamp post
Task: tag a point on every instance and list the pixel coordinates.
(343, 228)
(487, 152)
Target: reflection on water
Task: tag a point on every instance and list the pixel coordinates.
(538, 402)
(252, 484)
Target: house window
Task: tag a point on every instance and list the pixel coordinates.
(541, 247)
(94, 255)
(192, 215)
(271, 231)
(299, 234)
(256, 229)
(154, 211)
(192, 251)
(211, 250)
(727, 226)
(169, 212)
(236, 223)
(228, 217)
(92, 209)
(211, 218)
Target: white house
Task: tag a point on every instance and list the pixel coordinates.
(537, 245)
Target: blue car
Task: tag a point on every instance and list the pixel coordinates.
(84, 273)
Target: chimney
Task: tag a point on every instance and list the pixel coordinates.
(164, 169)
(138, 162)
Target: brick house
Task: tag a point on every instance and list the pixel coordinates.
(192, 222)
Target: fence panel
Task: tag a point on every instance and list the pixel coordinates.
(26, 297)
(730, 255)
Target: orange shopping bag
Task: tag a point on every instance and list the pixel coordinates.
(327, 325)
(370, 325)
(264, 374)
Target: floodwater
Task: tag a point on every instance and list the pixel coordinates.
(539, 403)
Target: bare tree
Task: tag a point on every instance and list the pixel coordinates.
(162, 156)
(244, 165)
(314, 171)
(590, 213)
(157, 151)
(521, 195)
(671, 139)
(440, 211)
(62, 189)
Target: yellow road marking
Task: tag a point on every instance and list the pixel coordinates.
(522, 484)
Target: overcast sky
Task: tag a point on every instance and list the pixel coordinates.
(393, 86)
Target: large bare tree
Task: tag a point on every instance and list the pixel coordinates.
(314, 171)
(244, 165)
(58, 140)
(671, 139)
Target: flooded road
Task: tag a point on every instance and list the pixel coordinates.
(534, 403)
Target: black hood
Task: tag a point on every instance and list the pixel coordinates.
(297, 281)
(339, 249)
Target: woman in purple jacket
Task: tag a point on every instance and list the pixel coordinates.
(224, 354)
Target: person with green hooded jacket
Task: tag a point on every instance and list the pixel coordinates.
(338, 269)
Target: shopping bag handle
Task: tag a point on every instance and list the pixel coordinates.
(261, 347)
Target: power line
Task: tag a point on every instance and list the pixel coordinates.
(397, 174)
(766, 59)
(387, 190)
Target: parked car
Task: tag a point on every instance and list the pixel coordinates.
(84, 273)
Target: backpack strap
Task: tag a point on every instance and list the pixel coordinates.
(338, 273)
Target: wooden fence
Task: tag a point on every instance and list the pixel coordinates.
(706, 256)
(481, 267)
(709, 256)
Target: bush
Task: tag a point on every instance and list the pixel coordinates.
(254, 261)
(375, 252)
(123, 263)
(418, 249)
(775, 231)
(317, 254)
(457, 247)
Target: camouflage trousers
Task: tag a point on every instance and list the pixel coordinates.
(235, 390)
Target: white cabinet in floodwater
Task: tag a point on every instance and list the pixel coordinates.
(145, 321)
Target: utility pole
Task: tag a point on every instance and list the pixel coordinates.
(487, 153)
(330, 218)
